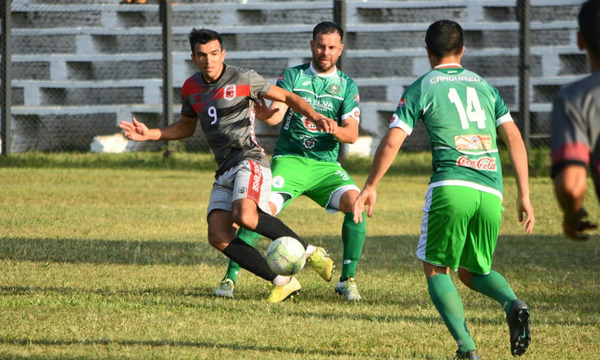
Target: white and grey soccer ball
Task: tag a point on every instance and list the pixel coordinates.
(286, 256)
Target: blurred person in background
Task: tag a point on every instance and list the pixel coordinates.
(575, 131)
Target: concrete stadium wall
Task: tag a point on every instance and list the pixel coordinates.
(80, 67)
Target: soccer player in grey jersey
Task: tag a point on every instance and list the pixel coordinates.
(575, 137)
(305, 161)
(221, 98)
(463, 115)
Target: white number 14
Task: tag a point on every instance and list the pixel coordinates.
(472, 112)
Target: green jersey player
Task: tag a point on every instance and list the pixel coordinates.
(463, 115)
(305, 159)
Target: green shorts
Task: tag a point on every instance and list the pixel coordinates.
(323, 182)
(460, 228)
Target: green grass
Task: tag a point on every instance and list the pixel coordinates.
(105, 256)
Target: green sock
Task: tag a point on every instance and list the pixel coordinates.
(251, 238)
(495, 286)
(445, 297)
(353, 237)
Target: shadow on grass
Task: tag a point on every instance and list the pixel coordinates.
(379, 253)
(159, 343)
(103, 251)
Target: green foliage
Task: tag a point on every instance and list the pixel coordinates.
(112, 262)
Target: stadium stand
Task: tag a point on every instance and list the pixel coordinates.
(80, 67)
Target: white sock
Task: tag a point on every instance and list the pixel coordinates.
(281, 280)
(310, 250)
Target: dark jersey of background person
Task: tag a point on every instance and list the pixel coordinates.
(225, 111)
(576, 127)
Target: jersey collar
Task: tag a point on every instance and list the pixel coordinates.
(314, 72)
(449, 65)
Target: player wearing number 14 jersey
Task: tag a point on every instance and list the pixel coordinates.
(464, 143)
(463, 115)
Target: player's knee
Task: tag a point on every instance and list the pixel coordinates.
(218, 240)
(347, 201)
(466, 277)
(219, 237)
(245, 219)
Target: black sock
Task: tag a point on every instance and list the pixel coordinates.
(249, 258)
(273, 228)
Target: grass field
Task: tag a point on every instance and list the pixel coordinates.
(106, 258)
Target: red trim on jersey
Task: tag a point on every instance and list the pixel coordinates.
(251, 117)
(255, 182)
(572, 151)
(240, 90)
(198, 107)
(193, 87)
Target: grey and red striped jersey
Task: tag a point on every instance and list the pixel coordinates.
(575, 134)
(226, 114)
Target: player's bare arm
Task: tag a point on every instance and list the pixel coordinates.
(348, 131)
(270, 115)
(300, 106)
(386, 153)
(570, 186)
(138, 131)
(511, 136)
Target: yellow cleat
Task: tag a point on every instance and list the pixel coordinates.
(282, 292)
(322, 264)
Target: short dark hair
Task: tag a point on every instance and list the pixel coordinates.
(589, 25)
(444, 37)
(327, 27)
(203, 36)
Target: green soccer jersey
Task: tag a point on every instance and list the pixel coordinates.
(461, 112)
(334, 95)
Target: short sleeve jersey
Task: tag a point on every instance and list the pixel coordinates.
(226, 114)
(461, 112)
(575, 127)
(334, 95)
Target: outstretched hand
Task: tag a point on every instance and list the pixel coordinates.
(134, 130)
(262, 111)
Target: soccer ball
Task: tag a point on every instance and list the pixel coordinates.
(286, 256)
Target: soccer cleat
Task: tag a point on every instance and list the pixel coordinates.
(282, 292)
(469, 355)
(322, 264)
(225, 288)
(349, 289)
(518, 324)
